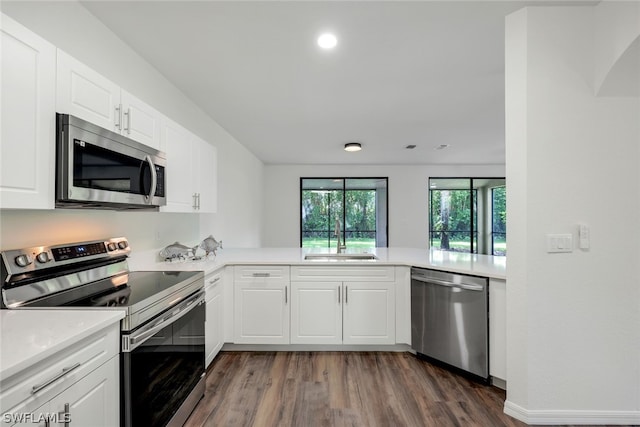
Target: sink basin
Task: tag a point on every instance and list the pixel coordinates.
(340, 257)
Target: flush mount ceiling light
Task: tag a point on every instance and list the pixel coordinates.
(352, 146)
(327, 41)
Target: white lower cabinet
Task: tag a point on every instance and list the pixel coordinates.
(214, 323)
(358, 310)
(369, 313)
(91, 401)
(79, 385)
(498, 328)
(316, 313)
(342, 313)
(261, 305)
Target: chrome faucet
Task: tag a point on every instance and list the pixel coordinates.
(340, 248)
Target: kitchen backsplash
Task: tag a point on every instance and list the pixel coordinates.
(144, 230)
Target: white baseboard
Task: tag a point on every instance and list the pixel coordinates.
(571, 416)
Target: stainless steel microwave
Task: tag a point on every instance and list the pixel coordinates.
(100, 169)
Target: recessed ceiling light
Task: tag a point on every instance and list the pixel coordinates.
(410, 146)
(352, 146)
(441, 147)
(327, 41)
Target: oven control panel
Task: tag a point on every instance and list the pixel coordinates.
(19, 261)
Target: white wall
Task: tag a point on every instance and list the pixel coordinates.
(69, 26)
(408, 197)
(617, 26)
(573, 330)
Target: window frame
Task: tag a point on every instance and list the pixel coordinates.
(344, 210)
(474, 234)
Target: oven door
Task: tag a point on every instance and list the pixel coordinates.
(95, 165)
(163, 366)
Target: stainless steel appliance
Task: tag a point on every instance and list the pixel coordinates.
(100, 169)
(162, 356)
(450, 320)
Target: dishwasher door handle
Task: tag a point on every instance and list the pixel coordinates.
(476, 288)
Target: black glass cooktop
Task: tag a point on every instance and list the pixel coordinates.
(123, 290)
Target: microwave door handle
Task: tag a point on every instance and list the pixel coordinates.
(154, 178)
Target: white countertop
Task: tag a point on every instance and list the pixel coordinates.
(457, 262)
(28, 336)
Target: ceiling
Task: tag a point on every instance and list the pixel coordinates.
(423, 73)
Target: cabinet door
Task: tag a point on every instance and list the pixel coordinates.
(27, 134)
(261, 312)
(94, 400)
(179, 173)
(140, 121)
(498, 328)
(206, 177)
(316, 313)
(214, 322)
(369, 313)
(36, 418)
(84, 93)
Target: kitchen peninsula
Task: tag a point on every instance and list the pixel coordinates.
(260, 294)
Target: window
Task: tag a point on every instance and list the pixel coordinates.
(468, 215)
(357, 206)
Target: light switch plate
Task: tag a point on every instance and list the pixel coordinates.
(558, 243)
(584, 236)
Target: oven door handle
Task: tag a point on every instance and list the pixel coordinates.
(130, 342)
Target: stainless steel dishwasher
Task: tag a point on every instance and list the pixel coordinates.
(450, 320)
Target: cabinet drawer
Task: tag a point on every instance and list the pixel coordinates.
(79, 359)
(344, 273)
(261, 272)
(213, 284)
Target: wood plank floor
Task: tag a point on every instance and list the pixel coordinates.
(342, 389)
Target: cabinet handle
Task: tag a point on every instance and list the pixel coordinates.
(198, 200)
(127, 114)
(286, 291)
(346, 294)
(339, 292)
(66, 415)
(261, 274)
(217, 279)
(65, 371)
(118, 116)
(195, 201)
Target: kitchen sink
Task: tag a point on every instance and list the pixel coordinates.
(340, 257)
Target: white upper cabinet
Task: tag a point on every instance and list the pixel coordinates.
(191, 171)
(27, 124)
(206, 176)
(179, 173)
(85, 93)
(140, 121)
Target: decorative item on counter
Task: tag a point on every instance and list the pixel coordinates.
(211, 245)
(177, 251)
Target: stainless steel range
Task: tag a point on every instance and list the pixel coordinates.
(162, 355)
